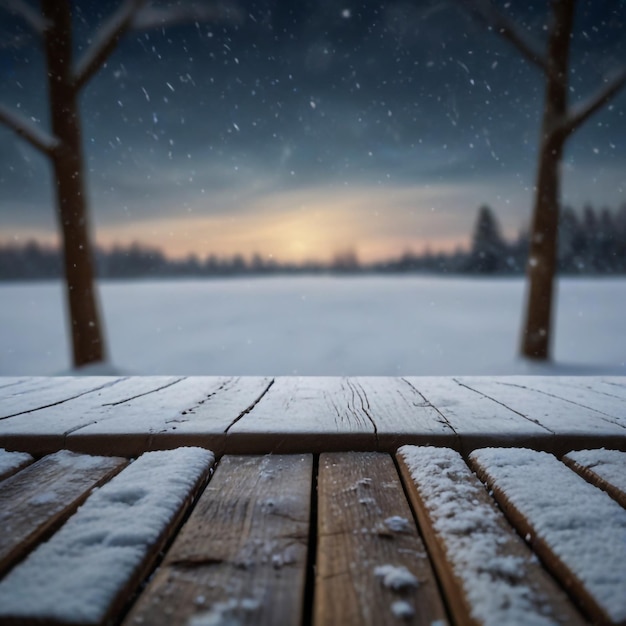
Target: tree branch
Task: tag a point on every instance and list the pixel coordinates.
(34, 135)
(31, 16)
(105, 41)
(581, 112)
(157, 17)
(485, 12)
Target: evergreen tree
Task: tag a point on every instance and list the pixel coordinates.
(570, 244)
(488, 247)
(620, 238)
(606, 244)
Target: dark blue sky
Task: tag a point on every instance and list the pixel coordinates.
(300, 128)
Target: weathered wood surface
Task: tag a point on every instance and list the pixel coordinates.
(371, 566)
(577, 530)
(487, 572)
(604, 468)
(11, 381)
(253, 551)
(50, 424)
(552, 411)
(244, 415)
(572, 424)
(11, 462)
(241, 557)
(39, 392)
(614, 386)
(476, 419)
(38, 499)
(87, 572)
(137, 414)
(194, 411)
(397, 411)
(322, 413)
(606, 406)
(307, 410)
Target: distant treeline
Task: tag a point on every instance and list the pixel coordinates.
(591, 241)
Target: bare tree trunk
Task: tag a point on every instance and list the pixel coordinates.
(544, 233)
(69, 172)
(543, 254)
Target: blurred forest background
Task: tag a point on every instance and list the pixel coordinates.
(592, 242)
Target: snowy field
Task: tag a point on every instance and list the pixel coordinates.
(318, 326)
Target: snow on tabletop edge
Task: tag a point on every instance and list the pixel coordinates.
(610, 465)
(581, 524)
(10, 461)
(77, 574)
(473, 537)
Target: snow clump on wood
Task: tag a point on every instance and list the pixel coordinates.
(396, 577)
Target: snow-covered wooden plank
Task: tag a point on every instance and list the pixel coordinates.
(195, 411)
(399, 412)
(45, 392)
(371, 566)
(308, 412)
(614, 385)
(323, 413)
(475, 418)
(11, 462)
(136, 414)
(86, 572)
(488, 574)
(17, 392)
(575, 528)
(604, 468)
(37, 499)
(241, 557)
(11, 381)
(570, 390)
(19, 386)
(45, 429)
(553, 413)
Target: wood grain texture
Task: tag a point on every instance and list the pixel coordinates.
(137, 414)
(241, 556)
(614, 384)
(573, 425)
(476, 419)
(11, 381)
(605, 469)
(364, 523)
(400, 413)
(488, 574)
(569, 389)
(256, 415)
(85, 409)
(194, 411)
(308, 404)
(46, 429)
(577, 530)
(40, 392)
(324, 413)
(39, 498)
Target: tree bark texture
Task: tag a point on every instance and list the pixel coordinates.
(537, 330)
(69, 173)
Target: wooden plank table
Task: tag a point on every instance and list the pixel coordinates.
(170, 500)
(259, 415)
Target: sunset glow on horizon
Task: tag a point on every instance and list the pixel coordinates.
(302, 225)
(305, 131)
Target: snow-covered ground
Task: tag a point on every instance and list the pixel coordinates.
(318, 325)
